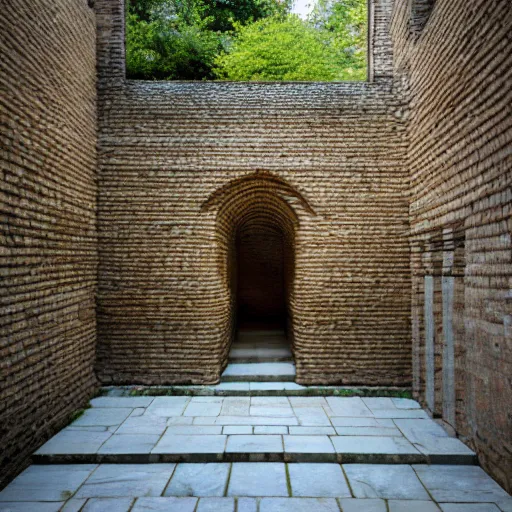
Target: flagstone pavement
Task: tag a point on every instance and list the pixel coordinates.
(254, 454)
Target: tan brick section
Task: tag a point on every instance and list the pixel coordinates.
(164, 312)
(460, 134)
(48, 200)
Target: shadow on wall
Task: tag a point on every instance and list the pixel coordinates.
(256, 228)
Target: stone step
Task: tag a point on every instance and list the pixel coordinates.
(263, 352)
(255, 389)
(267, 487)
(259, 372)
(254, 429)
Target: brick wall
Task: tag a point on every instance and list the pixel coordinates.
(48, 198)
(459, 69)
(165, 298)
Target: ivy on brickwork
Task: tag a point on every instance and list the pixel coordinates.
(245, 40)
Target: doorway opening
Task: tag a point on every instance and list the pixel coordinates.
(256, 228)
(264, 275)
(261, 268)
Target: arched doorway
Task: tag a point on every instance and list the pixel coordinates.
(256, 225)
(262, 284)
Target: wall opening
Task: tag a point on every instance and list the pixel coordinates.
(444, 263)
(256, 225)
(255, 40)
(261, 271)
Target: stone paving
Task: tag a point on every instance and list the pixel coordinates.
(254, 487)
(254, 454)
(255, 429)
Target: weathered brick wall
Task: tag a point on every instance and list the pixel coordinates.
(48, 238)
(165, 301)
(459, 70)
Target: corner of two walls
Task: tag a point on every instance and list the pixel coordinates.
(48, 200)
(457, 70)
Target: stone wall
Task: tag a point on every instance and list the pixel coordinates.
(459, 70)
(181, 165)
(48, 200)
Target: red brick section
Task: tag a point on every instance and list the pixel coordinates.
(165, 311)
(48, 200)
(459, 70)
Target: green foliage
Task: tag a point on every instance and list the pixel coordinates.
(170, 42)
(277, 48)
(245, 40)
(224, 14)
(346, 23)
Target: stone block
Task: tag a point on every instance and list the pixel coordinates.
(254, 444)
(47, 483)
(165, 505)
(129, 444)
(198, 480)
(258, 479)
(298, 505)
(317, 480)
(216, 505)
(385, 481)
(183, 444)
(459, 484)
(110, 504)
(126, 480)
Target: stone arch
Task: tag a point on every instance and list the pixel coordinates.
(258, 209)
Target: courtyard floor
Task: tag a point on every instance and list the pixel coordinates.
(254, 454)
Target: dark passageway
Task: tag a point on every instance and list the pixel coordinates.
(261, 295)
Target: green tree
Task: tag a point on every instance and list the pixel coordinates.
(225, 13)
(277, 48)
(161, 50)
(346, 22)
(245, 40)
(179, 39)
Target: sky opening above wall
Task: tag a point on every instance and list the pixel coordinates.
(247, 40)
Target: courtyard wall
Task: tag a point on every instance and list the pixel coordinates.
(48, 202)
(164, 304)
(457, 62)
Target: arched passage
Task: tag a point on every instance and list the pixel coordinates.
(263, 267)
(256, 229)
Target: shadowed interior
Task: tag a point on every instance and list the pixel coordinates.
(262, 267)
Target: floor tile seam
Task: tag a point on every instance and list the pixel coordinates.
(226, 487)
(84, 482)
(352, 494)
(402, 432)
(288, 480)
(169, 481)
(82, 507)
(338, 502)
(159, 439)
(425, 487)
(130, 508)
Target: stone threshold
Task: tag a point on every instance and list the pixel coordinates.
(257, 389)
